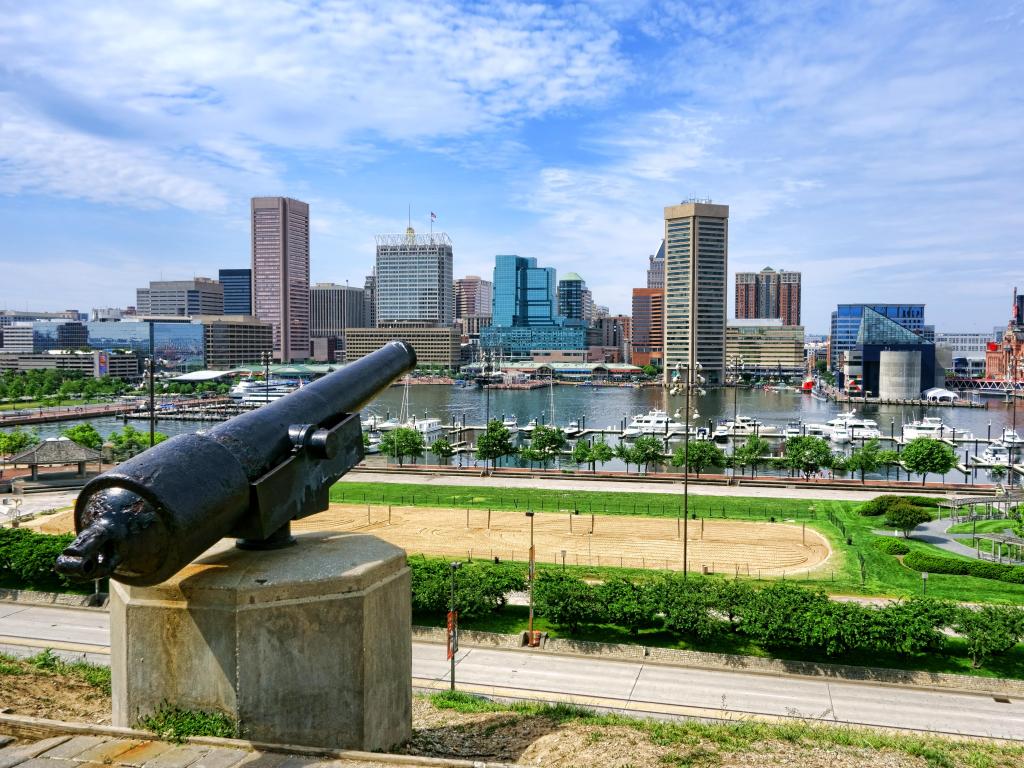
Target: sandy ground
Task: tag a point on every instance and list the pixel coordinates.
(723, 546)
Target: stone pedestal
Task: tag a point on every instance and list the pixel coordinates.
(309, 645)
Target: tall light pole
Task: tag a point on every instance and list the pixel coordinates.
(736, 365)
(687, 378)
(150, 365)
(453, 625)
(532, 567)
(265, 358)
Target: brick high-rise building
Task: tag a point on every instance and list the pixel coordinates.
(696, 264)
(648, 326)
(473, 297)
(767, 295)
(280, 273)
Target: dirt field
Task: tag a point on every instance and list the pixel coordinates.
(723, 546)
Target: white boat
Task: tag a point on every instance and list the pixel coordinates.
(250, 385)
(793, 429)
(840, 434)
(1010, 437)
(748, 425)
(932, 426)
(572, 429)
(654, 422)
(856, 428)
(997, 453)
(428, 427)
(721, 433)
(264, 395)
(818, 430)
(511, 424)
(530, 426)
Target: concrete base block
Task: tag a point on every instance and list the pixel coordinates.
(310, 644)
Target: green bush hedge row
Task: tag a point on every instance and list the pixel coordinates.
(480, 587)
(983, 569)
(27, 558)
(890, 546)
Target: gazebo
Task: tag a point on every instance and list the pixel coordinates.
(56, 451)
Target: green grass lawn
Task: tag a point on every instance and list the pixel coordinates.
(983, 526)
(514, 619)
(884, 575)
(35, 404)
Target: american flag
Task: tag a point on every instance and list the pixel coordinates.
(433, 216)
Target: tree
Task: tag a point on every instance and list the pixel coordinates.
(925, 456)
(690, 607)
(581, 453)
(649, 371)
(752, 452)
(864, 459)
(548, 440)
(997, 472)
(807, 454)
(565, 600)
(647, 449)
(989, 630)
(905, 517)
(629, 604)
(16, 441)
(84, 434)
(530, 454)
(700, 455)
(601, 453)
(888, 459)
(495, 442)
(130, 441)
(401, 442)
(625, 452)
(442, 449)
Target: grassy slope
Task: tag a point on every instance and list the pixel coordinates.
(885, 575)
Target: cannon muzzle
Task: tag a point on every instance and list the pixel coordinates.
(248, 477)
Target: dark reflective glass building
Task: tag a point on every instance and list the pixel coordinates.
(177, 346)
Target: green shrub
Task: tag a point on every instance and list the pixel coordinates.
(982, 569)
(480, 587)
(566, 600)
(880, 505)
(890, 546)
(175, 724)
(905, 517)
(27, 558)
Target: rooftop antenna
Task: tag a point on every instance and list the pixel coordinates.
(410, 215)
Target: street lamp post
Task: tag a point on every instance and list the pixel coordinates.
(532, 568)
(265, 358)
(150, 365)
(453, 625)
(687, 378)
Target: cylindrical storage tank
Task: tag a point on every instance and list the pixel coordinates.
(899, 374)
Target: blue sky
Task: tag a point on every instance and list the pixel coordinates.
(876, 146)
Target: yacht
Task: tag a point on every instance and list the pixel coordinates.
(654, 422)
(511, 424)
(856, 428)
(430, 428)
(530, 426)
(932, 426)
(1010, 437)
(249, 386)
(997, 453)
(793, 429)
(262, 395)
(721, 433)
(840, 434)
(818, 430)
(572, 429)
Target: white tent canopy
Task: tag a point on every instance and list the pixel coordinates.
(940, 395)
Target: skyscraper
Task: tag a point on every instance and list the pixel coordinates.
(696, 264)
(237, 291)
(334, 308)
(656, 269)
(473, 297)
(413, 280)
(648, 326)
(575, 301)
(370, 299)
(280, 273)
(768, 294)
(183, 298)
(526, 310)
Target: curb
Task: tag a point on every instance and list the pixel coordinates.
(23, 726)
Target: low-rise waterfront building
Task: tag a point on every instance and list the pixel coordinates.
(434, 346)
(766, 346)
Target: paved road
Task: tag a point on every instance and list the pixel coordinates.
(586, 484)
(618, 685)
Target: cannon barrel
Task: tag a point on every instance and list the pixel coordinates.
(147, 518)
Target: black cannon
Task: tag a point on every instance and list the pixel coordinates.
(249, 477)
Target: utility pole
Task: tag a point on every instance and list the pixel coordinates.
(532, 566)
(687, 378)
(453, 625)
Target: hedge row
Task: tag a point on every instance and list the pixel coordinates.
(27, 558)
(983, 569)
(480, 587)
(890, 545)
(779, 616)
